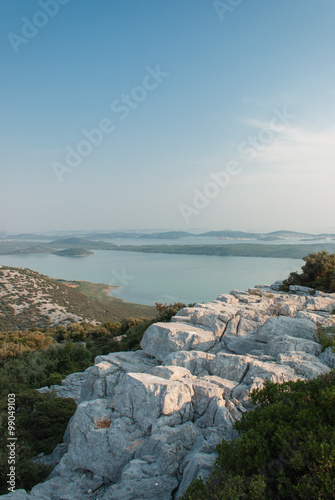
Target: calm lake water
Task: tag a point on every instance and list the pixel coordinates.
(149, 278)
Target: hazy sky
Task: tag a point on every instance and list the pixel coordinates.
(167, 114)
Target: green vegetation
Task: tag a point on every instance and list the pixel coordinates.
(326, 337)
(317, 273)
(35, 358)
(285, 449)
(235, 249)
(73, 252)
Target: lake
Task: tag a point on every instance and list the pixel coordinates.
(149, 278)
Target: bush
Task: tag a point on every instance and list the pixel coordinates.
(317, 273)
(285, 449)
(41, 420)
(326, 337)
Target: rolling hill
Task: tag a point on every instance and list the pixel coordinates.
(29, 299)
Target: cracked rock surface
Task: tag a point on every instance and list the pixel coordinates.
(148, 422)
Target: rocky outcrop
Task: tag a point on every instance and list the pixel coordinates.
(148, 422)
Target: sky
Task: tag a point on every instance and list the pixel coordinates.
(169, 114)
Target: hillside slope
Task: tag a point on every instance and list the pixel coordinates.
(28, 299)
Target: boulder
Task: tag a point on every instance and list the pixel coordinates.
(230, 366)
(196, 362)
(70, 387)
(305, 365)
(144, 398)
(328, 358)
(198, 465)
(280, 326)
(161, 339)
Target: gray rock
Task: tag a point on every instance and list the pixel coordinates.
(325, 304)
(17, 495)
(204, 392)
(172, 373)
(300, 289)
(232, 326)
(196, 362)
(227, 298)
(144, 398)
(245, 345)
(268, 371)
(293, 327)
(328, 357)
(276, 285)
(70, 388)
(199, 465)
(230, 366)
(278, 345)
(305, 365)
(152, 488)
(161, 339)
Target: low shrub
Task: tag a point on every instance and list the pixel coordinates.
(285, 448)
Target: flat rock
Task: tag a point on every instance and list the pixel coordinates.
(197, 362)
(160, 339)
(293, 327)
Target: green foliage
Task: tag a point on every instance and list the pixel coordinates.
(317, 273)
(166, 311)
(326, 337)
(285, 449)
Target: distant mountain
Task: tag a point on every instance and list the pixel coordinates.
(81, 243)
(288, 234)
(112, 235)
(231, 234)
(28, 236)
(170, 235)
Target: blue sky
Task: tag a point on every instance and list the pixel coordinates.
(201, 87)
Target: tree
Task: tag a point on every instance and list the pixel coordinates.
(318, 273)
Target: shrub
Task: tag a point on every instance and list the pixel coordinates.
(285, 449)
(326, 337)
(318, 273)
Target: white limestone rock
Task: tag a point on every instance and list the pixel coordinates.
(102, 378)
(160, 339)
(294, 327)
(197, 362)
(305, 365)
(144, 398)
(230, 366)
(198, 465)
(70, 387)
(268, 371)
(278, 345)
(328, 357)
(143, 488)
